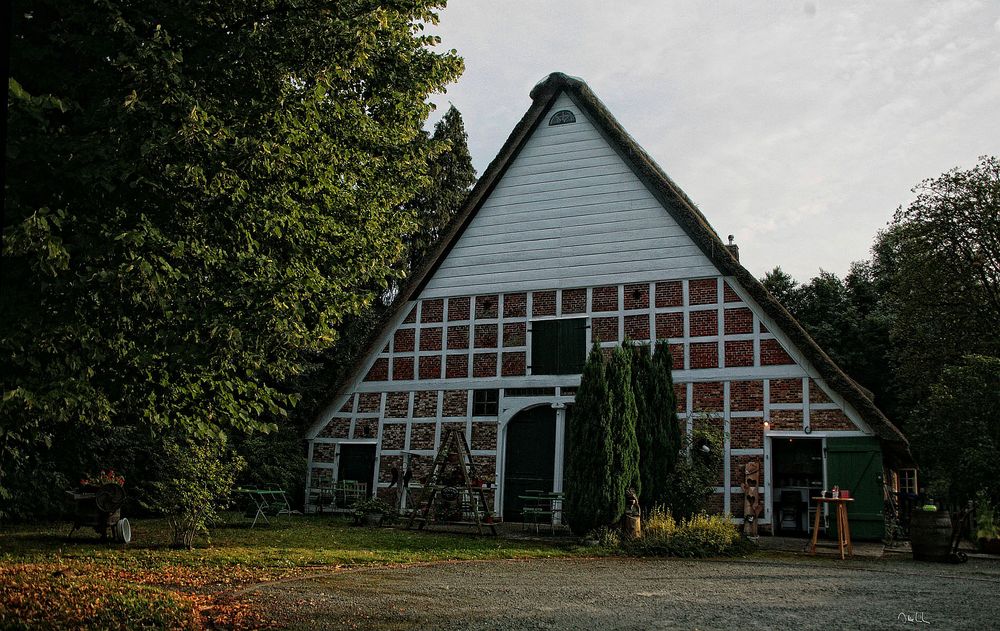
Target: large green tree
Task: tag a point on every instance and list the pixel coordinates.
(451, 175)
(939, 262)
(197, 196)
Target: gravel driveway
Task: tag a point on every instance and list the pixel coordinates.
(616, 593)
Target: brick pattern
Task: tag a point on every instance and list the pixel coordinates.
(456, 403)
(430, 367)
(457, 367)
(443, 341)
(574, 301)
(484, 435)
(746, 396)
(515, 305)
(514, 334)
(702, 323)
(703, 291)
(484, 365)
(637, 296)
(397, 404)
(746, 433)
(669, 294)
(425, 404)
(604, 298)
(669, 325)
(704, 355)
(403, 341)
(543, 303)
(604, 329)
(486, 307)
(637, 326)
(430, 339)
(514, 364)
(459, 308)
(707, 396)
(786, 390)
(739, 353)
(379, 370)
(771, 354)
(369, 402)
(402, 368)
(486, 336)
(738, 321)
(829, 420)
(432, 310)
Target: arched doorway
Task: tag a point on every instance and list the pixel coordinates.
(529, 457)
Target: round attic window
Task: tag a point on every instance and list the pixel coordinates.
(562, 117)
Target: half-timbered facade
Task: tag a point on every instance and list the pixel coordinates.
(573, 236)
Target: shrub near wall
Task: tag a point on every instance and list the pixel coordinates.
(699, 536)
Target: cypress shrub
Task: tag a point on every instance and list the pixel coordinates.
(588, 451)
(620, 423)
(660, 431)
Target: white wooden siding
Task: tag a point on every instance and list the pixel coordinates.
(567, 213)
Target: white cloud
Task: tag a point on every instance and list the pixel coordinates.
(798, 126)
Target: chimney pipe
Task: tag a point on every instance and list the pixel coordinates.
(733, 248)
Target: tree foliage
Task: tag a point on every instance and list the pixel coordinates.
(621, 422)
(451, 175)
(940, 259)
(693, 479)
(589, 451)
(197, 197)
(962, 406)
(657, 429)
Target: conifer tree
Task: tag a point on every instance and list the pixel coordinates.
(620, 422)
(589, 456)
(662, 426)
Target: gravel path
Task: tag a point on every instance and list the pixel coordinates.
(616, 593)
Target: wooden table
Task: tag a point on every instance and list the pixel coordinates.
(843, 526)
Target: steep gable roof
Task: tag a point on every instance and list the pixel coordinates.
(674, 201)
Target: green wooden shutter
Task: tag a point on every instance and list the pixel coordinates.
(855, 464)
(572, 346)
(544, 347)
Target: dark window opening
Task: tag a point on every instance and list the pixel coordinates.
(558, 347)
(562, 117)
(485, 402)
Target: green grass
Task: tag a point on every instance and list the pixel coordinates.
(287, 543)
(48, 580)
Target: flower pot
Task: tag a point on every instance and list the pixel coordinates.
(373, 519)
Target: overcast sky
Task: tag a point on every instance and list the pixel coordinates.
(799, 127)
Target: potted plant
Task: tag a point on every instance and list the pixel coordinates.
(987, 525)
(371, 511)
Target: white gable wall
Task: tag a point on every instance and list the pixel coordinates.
(568, 212)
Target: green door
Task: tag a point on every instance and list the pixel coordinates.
(855, 464)
(530, 458)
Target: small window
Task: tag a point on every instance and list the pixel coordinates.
(558, 347)
(485, 402)
(908, 481)
(562, 117)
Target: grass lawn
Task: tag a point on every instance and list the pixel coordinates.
(48, 581)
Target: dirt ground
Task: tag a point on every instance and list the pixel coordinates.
(774, 591)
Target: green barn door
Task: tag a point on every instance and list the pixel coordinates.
(855, 464)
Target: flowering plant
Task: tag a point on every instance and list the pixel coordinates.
(104, 477)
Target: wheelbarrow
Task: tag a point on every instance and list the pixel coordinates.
(99, 507)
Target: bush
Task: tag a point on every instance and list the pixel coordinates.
(699, 536)
(196, 479)
(694, 478)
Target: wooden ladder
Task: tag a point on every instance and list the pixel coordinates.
(453, 441)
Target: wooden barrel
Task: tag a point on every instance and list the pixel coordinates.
(930, 535)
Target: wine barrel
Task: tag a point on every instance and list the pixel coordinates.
(930, 535)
